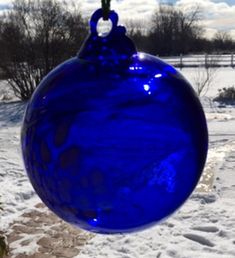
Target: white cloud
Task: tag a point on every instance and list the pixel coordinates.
(135, 9)
(232, 33)
(4, 2)
(216, 15)
(127, 9)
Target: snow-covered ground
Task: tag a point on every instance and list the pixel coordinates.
(16, 193)
(203, 228)
(221, 77)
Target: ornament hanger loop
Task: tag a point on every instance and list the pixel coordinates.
(98, 15)
(105, 9)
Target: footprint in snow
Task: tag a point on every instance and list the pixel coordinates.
(205, 199)
(208, 229)
(199, 239)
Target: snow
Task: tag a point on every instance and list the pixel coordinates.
(222, 77)
(202, 228)
(16, 193)
(6, 92)
(17, 246)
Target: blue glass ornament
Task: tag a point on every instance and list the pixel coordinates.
(114, 140)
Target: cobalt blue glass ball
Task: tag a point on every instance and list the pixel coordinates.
(114, 140)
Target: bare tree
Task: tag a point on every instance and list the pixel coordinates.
(223, 41)
(137, 26)
(138, 31)
(204, 76)
(175, 31)
(36, 36)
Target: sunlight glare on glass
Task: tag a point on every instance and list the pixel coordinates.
(158, 75)
(133, 68)
(146, 87)
(141, 55)
(94, 221)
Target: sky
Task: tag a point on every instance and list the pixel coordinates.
(216, 14)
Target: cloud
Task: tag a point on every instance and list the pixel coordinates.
(127, 9)
(217, 14)
(4, 6)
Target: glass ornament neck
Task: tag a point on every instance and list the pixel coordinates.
(113, 49)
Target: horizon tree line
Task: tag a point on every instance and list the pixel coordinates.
(37, 35)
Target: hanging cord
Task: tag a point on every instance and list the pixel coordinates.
(106, 9)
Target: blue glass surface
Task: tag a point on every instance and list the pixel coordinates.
(114, 140)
